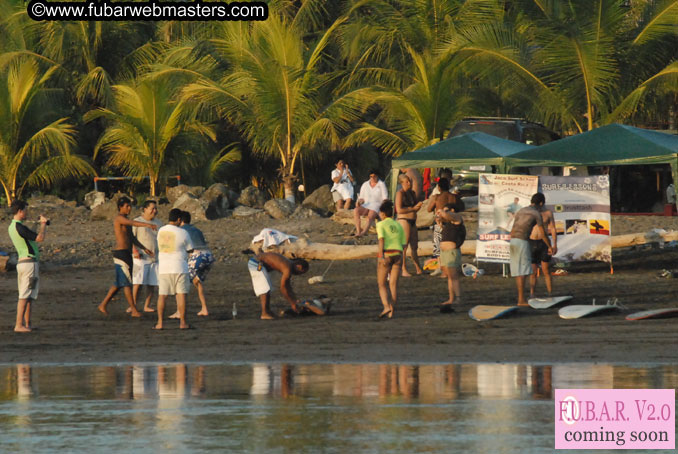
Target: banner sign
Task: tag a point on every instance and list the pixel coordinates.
(581, 210)
(499, 199)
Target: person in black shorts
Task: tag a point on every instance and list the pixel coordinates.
(540, 252)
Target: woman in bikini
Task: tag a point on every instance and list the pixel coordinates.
(407, 208)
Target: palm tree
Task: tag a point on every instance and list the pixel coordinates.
(276, 91)
(562, 61)
(149, 132)
(420, 114)
(36, 146)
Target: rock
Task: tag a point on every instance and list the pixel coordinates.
(109, 209)
(94, 199)
(175, 192)
(217, 200)
(197, 207)
(246, 212)
(252, 197)
(321, 201)
(233, 198)
(45, 200)
(303, 212)
(279, 208)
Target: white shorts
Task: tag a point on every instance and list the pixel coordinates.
(27, 279)
(261, 282)
(171, 284)
(144, 273)
(342, 192)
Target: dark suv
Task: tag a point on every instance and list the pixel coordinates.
(517, 129)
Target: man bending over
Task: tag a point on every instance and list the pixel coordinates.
(261, 265)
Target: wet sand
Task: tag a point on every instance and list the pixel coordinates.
(73, 282)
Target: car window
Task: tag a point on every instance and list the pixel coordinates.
(536, 136)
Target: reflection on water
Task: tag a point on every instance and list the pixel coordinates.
(296, 408)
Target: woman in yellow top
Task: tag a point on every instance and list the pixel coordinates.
(391, 241)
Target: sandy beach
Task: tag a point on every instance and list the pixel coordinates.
(76, 272)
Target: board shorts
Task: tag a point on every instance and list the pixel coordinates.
(122, 259)
(28, 280)
(174, 283)
(450, 258)
(199, 264)
(145, 273)
(437, 237)
(540, 252)
(521, 257)
(261, 281)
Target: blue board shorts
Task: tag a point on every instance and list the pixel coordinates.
(521, 257)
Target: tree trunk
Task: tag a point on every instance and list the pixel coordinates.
(288, 185)
(305, 249)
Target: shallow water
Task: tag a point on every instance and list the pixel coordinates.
(313, 408)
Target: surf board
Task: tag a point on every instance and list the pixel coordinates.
(482, 313)
(545, 303)
(654, 313)
(584, 310)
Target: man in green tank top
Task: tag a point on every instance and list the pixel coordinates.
(26, 243)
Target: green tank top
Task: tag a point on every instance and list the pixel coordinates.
(24, 240)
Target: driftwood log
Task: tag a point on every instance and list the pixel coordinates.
(305, 249)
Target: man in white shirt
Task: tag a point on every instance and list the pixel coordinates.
(145, 269)
(372, 194)
(174, 244)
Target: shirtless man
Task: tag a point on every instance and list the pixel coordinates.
(526, 219)
(539, 252)
(122, 255)
(436, 203)
(259, 267)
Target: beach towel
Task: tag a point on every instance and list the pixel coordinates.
(272, 237)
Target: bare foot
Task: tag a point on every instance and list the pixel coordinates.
(267, 316)
(158, 326)
(404, 273)
(387, 312)
(522, 303)
(128, 310)
(184, 326)
(21, 329)
(175, 315)
(420, 271)
(149, 309)
(203, 313)
(102, 309)
(136, 314)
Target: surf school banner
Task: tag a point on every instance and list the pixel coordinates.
(499, 199)
(581, 210)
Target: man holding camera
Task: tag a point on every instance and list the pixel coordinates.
(25, 241)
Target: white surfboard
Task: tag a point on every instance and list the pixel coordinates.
(580, 310)
(483, 313)
(545, 303)
(654, 313)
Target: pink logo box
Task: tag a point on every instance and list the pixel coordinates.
(615, 419)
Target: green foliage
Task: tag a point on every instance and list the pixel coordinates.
(257, 101)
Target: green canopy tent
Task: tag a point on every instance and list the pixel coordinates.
(473, 148)
(613, 144)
